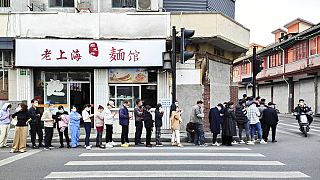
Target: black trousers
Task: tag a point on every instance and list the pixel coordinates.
(48, 136)
(124, 134)
(265, 132)
(139, 127)
(227, 140)
(148, 135)
(34, 130)
(273, 127)
(109, 132)
(66, 135)
(214, 138)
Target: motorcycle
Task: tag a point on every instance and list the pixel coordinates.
(303, 122)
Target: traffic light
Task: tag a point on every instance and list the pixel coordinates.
(258, 66)
(184, 42)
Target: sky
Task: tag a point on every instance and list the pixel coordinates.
(264, 16)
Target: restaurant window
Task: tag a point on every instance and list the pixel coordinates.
(61, 3)
(313, 46)
(4, 84)
(4, 3)
(131, 84)
(123, 3)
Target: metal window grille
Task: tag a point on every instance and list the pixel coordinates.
(4, 3)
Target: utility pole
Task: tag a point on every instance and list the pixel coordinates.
(254, 71)
(174, 67)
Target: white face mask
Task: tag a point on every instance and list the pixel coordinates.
(36, 104)
(74, 110)
(60, 111)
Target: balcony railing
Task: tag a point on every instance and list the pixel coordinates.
(297, 65)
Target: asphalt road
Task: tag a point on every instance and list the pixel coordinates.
(292, 157)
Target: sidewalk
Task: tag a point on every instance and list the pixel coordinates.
(165, 134)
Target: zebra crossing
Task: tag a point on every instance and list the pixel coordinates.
(292, 128)
(171, 162)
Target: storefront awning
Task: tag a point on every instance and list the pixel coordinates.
(6, 43)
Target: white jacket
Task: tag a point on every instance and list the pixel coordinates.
(108, 117)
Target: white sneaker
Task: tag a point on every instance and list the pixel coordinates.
(250, 143)
(263, 142)
(216, 144)
(241, 142)
(234, 143)
(109, 145)
(113, 143)
(88, 148)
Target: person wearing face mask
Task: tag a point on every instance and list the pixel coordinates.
(4, 124)
(303, 108)
(196, 118)
(215, 120)
(35, 125)
(74, 126)
(99, 117)
(148, 124)
(87, 124)
(124, 118)
(59, 117)
(158, 122)
(48, 127)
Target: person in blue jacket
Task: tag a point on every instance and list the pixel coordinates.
(74, 126)
(124, 117)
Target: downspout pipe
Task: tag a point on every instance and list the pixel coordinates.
(288, 84)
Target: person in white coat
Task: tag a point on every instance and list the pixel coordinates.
(108, 120)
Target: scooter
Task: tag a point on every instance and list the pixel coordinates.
(303, 122)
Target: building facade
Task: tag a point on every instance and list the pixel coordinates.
(80, 52)
(291, 67)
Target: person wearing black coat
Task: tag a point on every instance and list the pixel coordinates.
(148, 124)
(229, 125)
(242, 121)
(215, 120)
(270, 116)
(158, 122)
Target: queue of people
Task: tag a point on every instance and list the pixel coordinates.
(251, 115)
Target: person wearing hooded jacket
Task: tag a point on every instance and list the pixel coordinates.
(242, 121)
(158, 123)
(4, 124)
(148, 124)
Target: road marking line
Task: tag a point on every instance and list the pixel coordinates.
(308, 132)
(18, 157)
(121, 154)
(287, 133)
(185, 148)
(298, 127)
(176, 174)
(315, 128)
(173, 162)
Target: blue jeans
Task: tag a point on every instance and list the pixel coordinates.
(87, 127)
(254, 128)
(199, 138)
(247, 130)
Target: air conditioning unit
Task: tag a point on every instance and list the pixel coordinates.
(84, 6)
(147, 5)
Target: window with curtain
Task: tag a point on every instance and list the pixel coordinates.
(61, 3)
(313, 46)
(123, 3)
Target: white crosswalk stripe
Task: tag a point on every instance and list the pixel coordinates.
(173, 163)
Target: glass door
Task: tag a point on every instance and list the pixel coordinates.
(79, 94)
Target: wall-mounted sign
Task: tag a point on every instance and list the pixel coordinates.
(128, 76)
(88, 53)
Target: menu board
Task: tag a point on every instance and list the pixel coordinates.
(118, 76)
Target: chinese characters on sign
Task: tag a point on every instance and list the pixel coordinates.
(116, 54)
